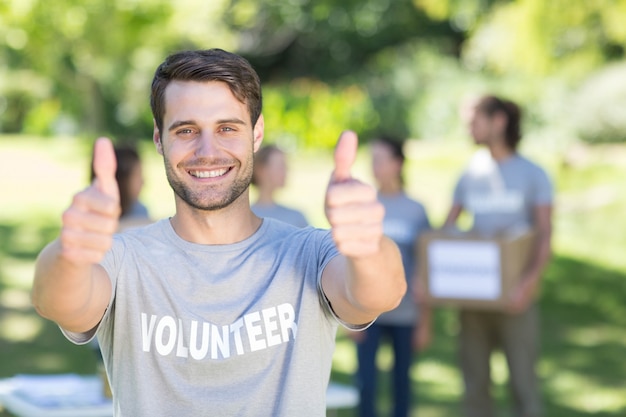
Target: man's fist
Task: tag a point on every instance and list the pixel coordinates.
(93, 216)
(352, 207)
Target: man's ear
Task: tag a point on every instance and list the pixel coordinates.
(259, 132)
(156, 138)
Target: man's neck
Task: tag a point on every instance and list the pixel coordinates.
(390, 188)
(500, 152)
(215, 227)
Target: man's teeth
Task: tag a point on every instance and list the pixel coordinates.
(209, 174)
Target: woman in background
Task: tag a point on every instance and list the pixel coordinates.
(129, 176)
(269, 175)
(405, 219)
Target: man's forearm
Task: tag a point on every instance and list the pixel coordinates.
(377, 283)
(540, 258)
(62, 291)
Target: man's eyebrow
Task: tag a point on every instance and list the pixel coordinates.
(233, 120)
(180, 123)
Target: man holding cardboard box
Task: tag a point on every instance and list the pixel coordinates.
(503, 191)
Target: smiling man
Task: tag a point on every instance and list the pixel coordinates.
(216, 311)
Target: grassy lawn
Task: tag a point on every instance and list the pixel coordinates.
(583, 297)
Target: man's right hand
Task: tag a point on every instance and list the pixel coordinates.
(93, 217)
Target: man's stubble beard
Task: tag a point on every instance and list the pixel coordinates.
(207, 199)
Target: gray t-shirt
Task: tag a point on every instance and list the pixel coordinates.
(282, 213)
(218, 330)
(405, 219)
(502, 196)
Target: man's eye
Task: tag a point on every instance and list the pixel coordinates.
(227, 129)
(185, 131)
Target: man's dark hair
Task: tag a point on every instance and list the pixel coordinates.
(127, 158)
(491, 105)
(207, 65)
(395, 146)
(262, 158)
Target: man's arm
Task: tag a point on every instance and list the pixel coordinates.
(69, 286)
(74, 296)
(368, 278)
(453, 214)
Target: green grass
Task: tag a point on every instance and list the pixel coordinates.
(583, 295)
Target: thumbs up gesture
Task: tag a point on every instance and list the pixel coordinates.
(93, 216)
(352, 208)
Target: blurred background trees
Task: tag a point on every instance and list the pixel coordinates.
(83, 67)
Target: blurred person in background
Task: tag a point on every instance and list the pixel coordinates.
(503, 191)
(269, 175)
(130, 181)
(407, 326)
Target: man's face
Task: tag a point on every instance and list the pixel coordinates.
(275, 171)
(481, 127)
(487, 129)
(385, 167)
(207, 144)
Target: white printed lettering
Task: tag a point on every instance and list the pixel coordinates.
(181, 350)
(222, 342)
(235, 329)
(146, 331)
(166, 323)
(200, 340)
(287, 318)
(198, 353)
(254, 330)
(273, 338)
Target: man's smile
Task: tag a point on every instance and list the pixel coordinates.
(208, 173)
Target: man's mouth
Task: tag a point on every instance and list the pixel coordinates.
(209, 174)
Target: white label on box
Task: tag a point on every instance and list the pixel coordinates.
(464, 269)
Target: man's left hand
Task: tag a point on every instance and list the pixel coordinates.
(352, 207)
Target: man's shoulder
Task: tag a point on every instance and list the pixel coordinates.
(525, 161)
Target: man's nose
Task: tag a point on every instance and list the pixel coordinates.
(207, 145)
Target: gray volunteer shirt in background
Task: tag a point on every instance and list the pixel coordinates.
(502, 195)
(405, 219)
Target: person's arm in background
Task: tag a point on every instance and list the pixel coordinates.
(367, 278)
(529, 284)
(69, 286)
(422, 334)
(422, 337)
(453, 215)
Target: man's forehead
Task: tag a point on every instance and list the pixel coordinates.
(191, 87)
(203, 94)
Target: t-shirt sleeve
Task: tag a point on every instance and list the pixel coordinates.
(544, 193)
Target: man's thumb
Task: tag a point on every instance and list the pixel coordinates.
(345, 155)
(104, 166)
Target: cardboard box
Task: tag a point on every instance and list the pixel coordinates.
(462, 269)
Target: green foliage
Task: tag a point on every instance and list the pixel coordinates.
(535, 36)
(308, 113)
(326, 39)
(73, 66)
(96, 58)
(599, 111)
